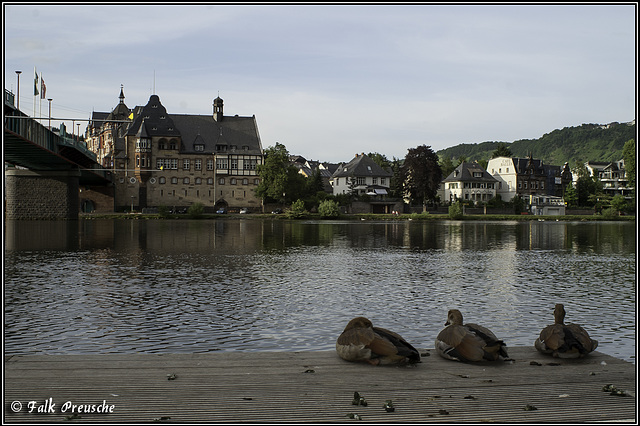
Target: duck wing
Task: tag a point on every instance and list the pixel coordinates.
(458, 343)
(551, 338)
(577, 337)
(388, 343)
(493, 347)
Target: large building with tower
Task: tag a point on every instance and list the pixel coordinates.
(176, 160)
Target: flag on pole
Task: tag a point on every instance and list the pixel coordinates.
(35, 82)
(43, 88)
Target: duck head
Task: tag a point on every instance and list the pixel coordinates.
(358, 322)
(559, 313)
(454, 317)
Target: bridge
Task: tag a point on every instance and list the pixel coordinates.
(50, 169)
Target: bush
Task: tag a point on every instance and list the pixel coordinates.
(195, 210)
(163, 211)
(455, 210)
(297, 210)
(329, 208)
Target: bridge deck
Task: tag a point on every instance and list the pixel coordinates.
(317, 387)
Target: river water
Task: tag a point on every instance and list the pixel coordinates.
(183, 286)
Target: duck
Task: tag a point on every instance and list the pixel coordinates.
(468, 342)
(564, 340)
(362, 342)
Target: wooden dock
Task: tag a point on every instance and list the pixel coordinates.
(314, 387)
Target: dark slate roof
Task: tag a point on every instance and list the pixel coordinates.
(156, 119)
(361, 166)
(238, 134)
(464, 173)
(522, 165)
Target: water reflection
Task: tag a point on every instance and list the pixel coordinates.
(100, 286)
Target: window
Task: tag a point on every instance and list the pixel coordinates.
(374, 181)
(174, 180)
(233, 181)
(221, 181)
(360, 181)
(185, 181)
(162, 179)
(185, 164)
(210, 181)
(250, 164)
(209, 164)
(245, 181)
(199, 148)
(234, 164)
(256, 181)
(198, 165)
(222, 163)
(383, 181)
(198, 181)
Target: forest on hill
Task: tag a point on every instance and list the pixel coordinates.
(588, 142)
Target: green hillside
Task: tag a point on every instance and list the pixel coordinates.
(589, 142)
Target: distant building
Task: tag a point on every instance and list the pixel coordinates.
(361, 176)
(308, 167)
(547, 205)
(528, 176)
(175, 160)
(469, 182)
(613, 177)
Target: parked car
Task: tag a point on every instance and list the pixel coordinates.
(221, 211)
(276, 211)
(244, 210)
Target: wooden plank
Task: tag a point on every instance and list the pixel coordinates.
(318, 387)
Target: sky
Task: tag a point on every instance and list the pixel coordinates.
(331, 81)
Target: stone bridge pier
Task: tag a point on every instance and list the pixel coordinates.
(41, 194)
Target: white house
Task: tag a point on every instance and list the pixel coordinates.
(361, 176)
(469, 182)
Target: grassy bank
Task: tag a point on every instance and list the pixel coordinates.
(376, 217)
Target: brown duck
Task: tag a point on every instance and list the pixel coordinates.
(468, 342)
(362, 342)
(564, 340)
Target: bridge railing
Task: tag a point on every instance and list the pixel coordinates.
(79, 145)
(32, 131)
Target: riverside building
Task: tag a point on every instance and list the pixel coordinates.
(176, 160)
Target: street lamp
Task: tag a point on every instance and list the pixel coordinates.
(18, 101)
(49, 99)
(78, 132)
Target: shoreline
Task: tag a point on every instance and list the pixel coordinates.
(364, 216)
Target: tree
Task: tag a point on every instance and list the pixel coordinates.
(396, 185)
(502, 151)
(380, 159)
(446, 164)
(279, 179)
(618, 203)
(421, 174)
(629, 156)
(314, 183)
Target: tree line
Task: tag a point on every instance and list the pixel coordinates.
(415, 177)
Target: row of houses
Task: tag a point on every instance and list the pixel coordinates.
(175, 160)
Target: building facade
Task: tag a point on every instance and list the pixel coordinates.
(526, 176)
(361, 176)
(176, 160)
(613, 177)
(469, 182)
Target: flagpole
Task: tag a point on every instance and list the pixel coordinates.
(35, 90)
